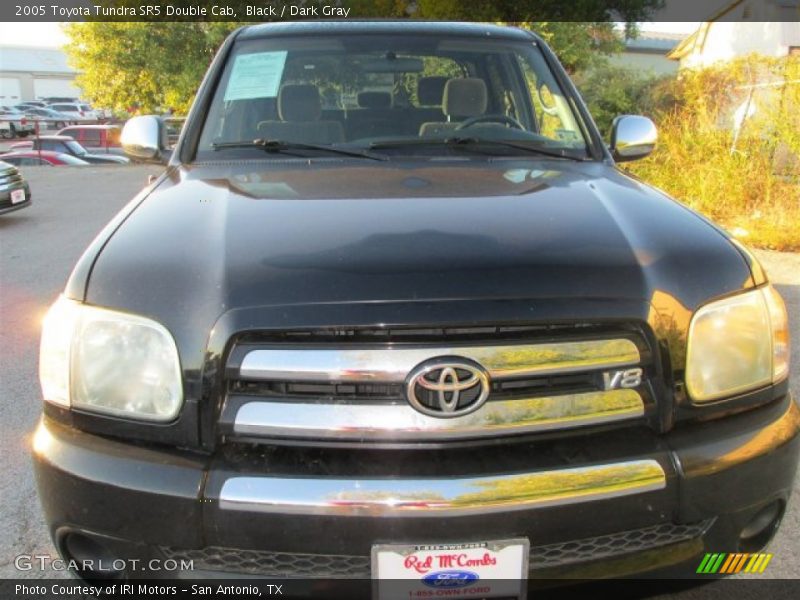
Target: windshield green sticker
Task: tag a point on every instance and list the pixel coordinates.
(256, 75)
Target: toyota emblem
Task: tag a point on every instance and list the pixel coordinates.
(445, 387)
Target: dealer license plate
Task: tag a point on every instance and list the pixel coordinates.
(17, 196)
(476, 570)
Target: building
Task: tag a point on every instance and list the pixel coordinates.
(769, 28)
(766, 27)
(28, 73)
(648, 52)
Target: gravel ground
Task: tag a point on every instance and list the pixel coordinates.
(39, 246)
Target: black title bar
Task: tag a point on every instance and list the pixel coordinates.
(463, 10)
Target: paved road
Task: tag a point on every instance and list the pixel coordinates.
(38, 247)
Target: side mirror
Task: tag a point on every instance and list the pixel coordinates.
(144, 138)
(632, 137)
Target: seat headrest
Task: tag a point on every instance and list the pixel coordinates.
(430, 90)
(374, 99)
(299, 102)
(465, 97)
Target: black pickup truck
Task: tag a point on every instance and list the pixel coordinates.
(393, 311)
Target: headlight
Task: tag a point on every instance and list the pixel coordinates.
(737, 344)
(109, 362)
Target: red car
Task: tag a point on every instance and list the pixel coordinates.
(99, 139)
(48, 158)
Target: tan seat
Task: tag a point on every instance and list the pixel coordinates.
(430, 90)
(299, 111)
(463, 98)
(374, 117)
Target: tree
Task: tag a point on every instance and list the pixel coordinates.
(155, 65)
(580, 32)
(148, 65)
(610, 90)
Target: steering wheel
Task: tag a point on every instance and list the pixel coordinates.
(502, 119)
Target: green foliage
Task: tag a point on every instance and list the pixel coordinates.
(579, 46)
(629, 11)
(160, 64)
(611, 90)
(580, 33)
(147, 65)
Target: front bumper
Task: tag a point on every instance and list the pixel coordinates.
(625, 503)
(5, 199)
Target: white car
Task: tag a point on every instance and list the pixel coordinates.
(14, 124)
(47, 117)
(77, 111)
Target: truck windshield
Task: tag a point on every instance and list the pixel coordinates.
(410, 94)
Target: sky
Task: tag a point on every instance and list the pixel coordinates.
(670, 27)
(50, 35)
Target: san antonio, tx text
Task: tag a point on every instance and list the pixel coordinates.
(131, 589)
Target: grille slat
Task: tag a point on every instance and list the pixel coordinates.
(432, 334)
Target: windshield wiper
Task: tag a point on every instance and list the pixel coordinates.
(474, 143)
(286, 147)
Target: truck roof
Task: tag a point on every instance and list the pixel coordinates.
(56, 138)
(405, 27)
(105, 126)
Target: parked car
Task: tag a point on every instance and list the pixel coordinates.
(14, 190)
(437, 336)
(28, 158)
(54, 99)
(14, 124)
(77, 111)
(98, 139)
(23, 106)
(48, 118)
(67, 145)
(104, 113)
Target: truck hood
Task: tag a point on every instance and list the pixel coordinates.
(213, 238)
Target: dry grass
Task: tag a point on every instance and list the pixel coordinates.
(751, 185)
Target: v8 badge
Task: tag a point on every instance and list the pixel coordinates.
(629, 378)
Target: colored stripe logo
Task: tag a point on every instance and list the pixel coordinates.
(724, 563)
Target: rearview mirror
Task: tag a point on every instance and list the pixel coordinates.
(632, 137)
(144, 138)
(393, 65)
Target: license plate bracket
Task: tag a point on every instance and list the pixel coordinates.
(491, 569)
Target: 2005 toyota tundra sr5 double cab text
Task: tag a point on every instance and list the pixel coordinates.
(393, 311)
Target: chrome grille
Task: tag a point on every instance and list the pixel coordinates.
(284, 564)
(348, 389)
